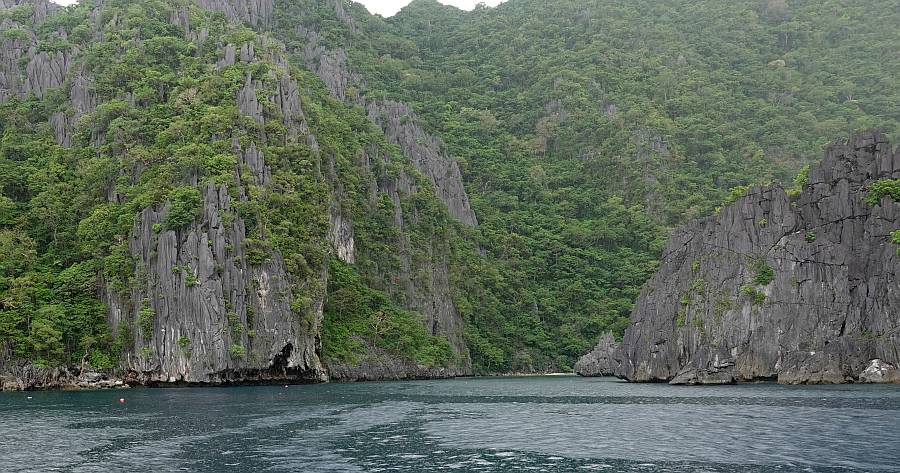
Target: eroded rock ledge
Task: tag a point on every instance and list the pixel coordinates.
(800, 289)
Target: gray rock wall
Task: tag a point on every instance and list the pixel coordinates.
(218, 316)
(25, 70)
(257, 13)
(830, 306)
(600, 360)
(42, 70)
(205, 299)
(422, 283)
(427, 289)
(427, 154)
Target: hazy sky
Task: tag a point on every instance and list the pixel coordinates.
(386, 7)
(389, 7)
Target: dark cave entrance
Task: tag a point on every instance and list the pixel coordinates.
(280, 362)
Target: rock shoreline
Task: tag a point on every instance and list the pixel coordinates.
(375, 367)
(601, 361)
(35, 378)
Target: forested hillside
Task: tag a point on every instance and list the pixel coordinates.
(178, 198)
(585, 130)
(225, 190)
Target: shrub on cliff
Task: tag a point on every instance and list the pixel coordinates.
(186, 202)
(881, 188)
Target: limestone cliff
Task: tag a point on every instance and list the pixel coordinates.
(214, 299)
(397, 120)
(421, 283)
(599, 361)
(42, 70)
(257, 13)
(214, 316)
(798, 289)
(426, 152)
(202, 310)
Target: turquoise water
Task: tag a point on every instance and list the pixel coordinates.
(547, 423)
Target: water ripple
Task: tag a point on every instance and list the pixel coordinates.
(547, 424)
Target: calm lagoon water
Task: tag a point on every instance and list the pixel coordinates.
(542, 424)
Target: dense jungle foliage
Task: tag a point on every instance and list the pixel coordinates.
(585, 131)
(164, 128)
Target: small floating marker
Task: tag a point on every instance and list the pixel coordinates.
(29, 397)
(121, 400)
(285, 386)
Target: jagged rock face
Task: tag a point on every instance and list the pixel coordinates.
(426, 152)
(42, 8)
(255, 12)
(599, 361)
(12, 51)
(42, 70)
(715, 313)
(25, 70)
(340, 222)
(83, 100)
(46, 71)
(202, 312)
(217, 316)
(396, 119)
(341, 13)
(431, 297)
(205, 298)
(248, 102)
(341, 234)
(330, 66)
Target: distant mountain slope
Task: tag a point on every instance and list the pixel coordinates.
(585, 130)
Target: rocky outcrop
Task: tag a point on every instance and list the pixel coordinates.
(800, 289)
(379, 365)
(397, 120)
(426, 153)
(329, 65)
(599, 361)
(248, 102)
(28, 377)
(340, 11)
(24, 69)
(257, 13)
(340, 222)
(40, 8)
(880, 372)
(83, 100)
(421, 282)
(203, 311)
(46, 71)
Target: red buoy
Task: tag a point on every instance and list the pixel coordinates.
(121, 400)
